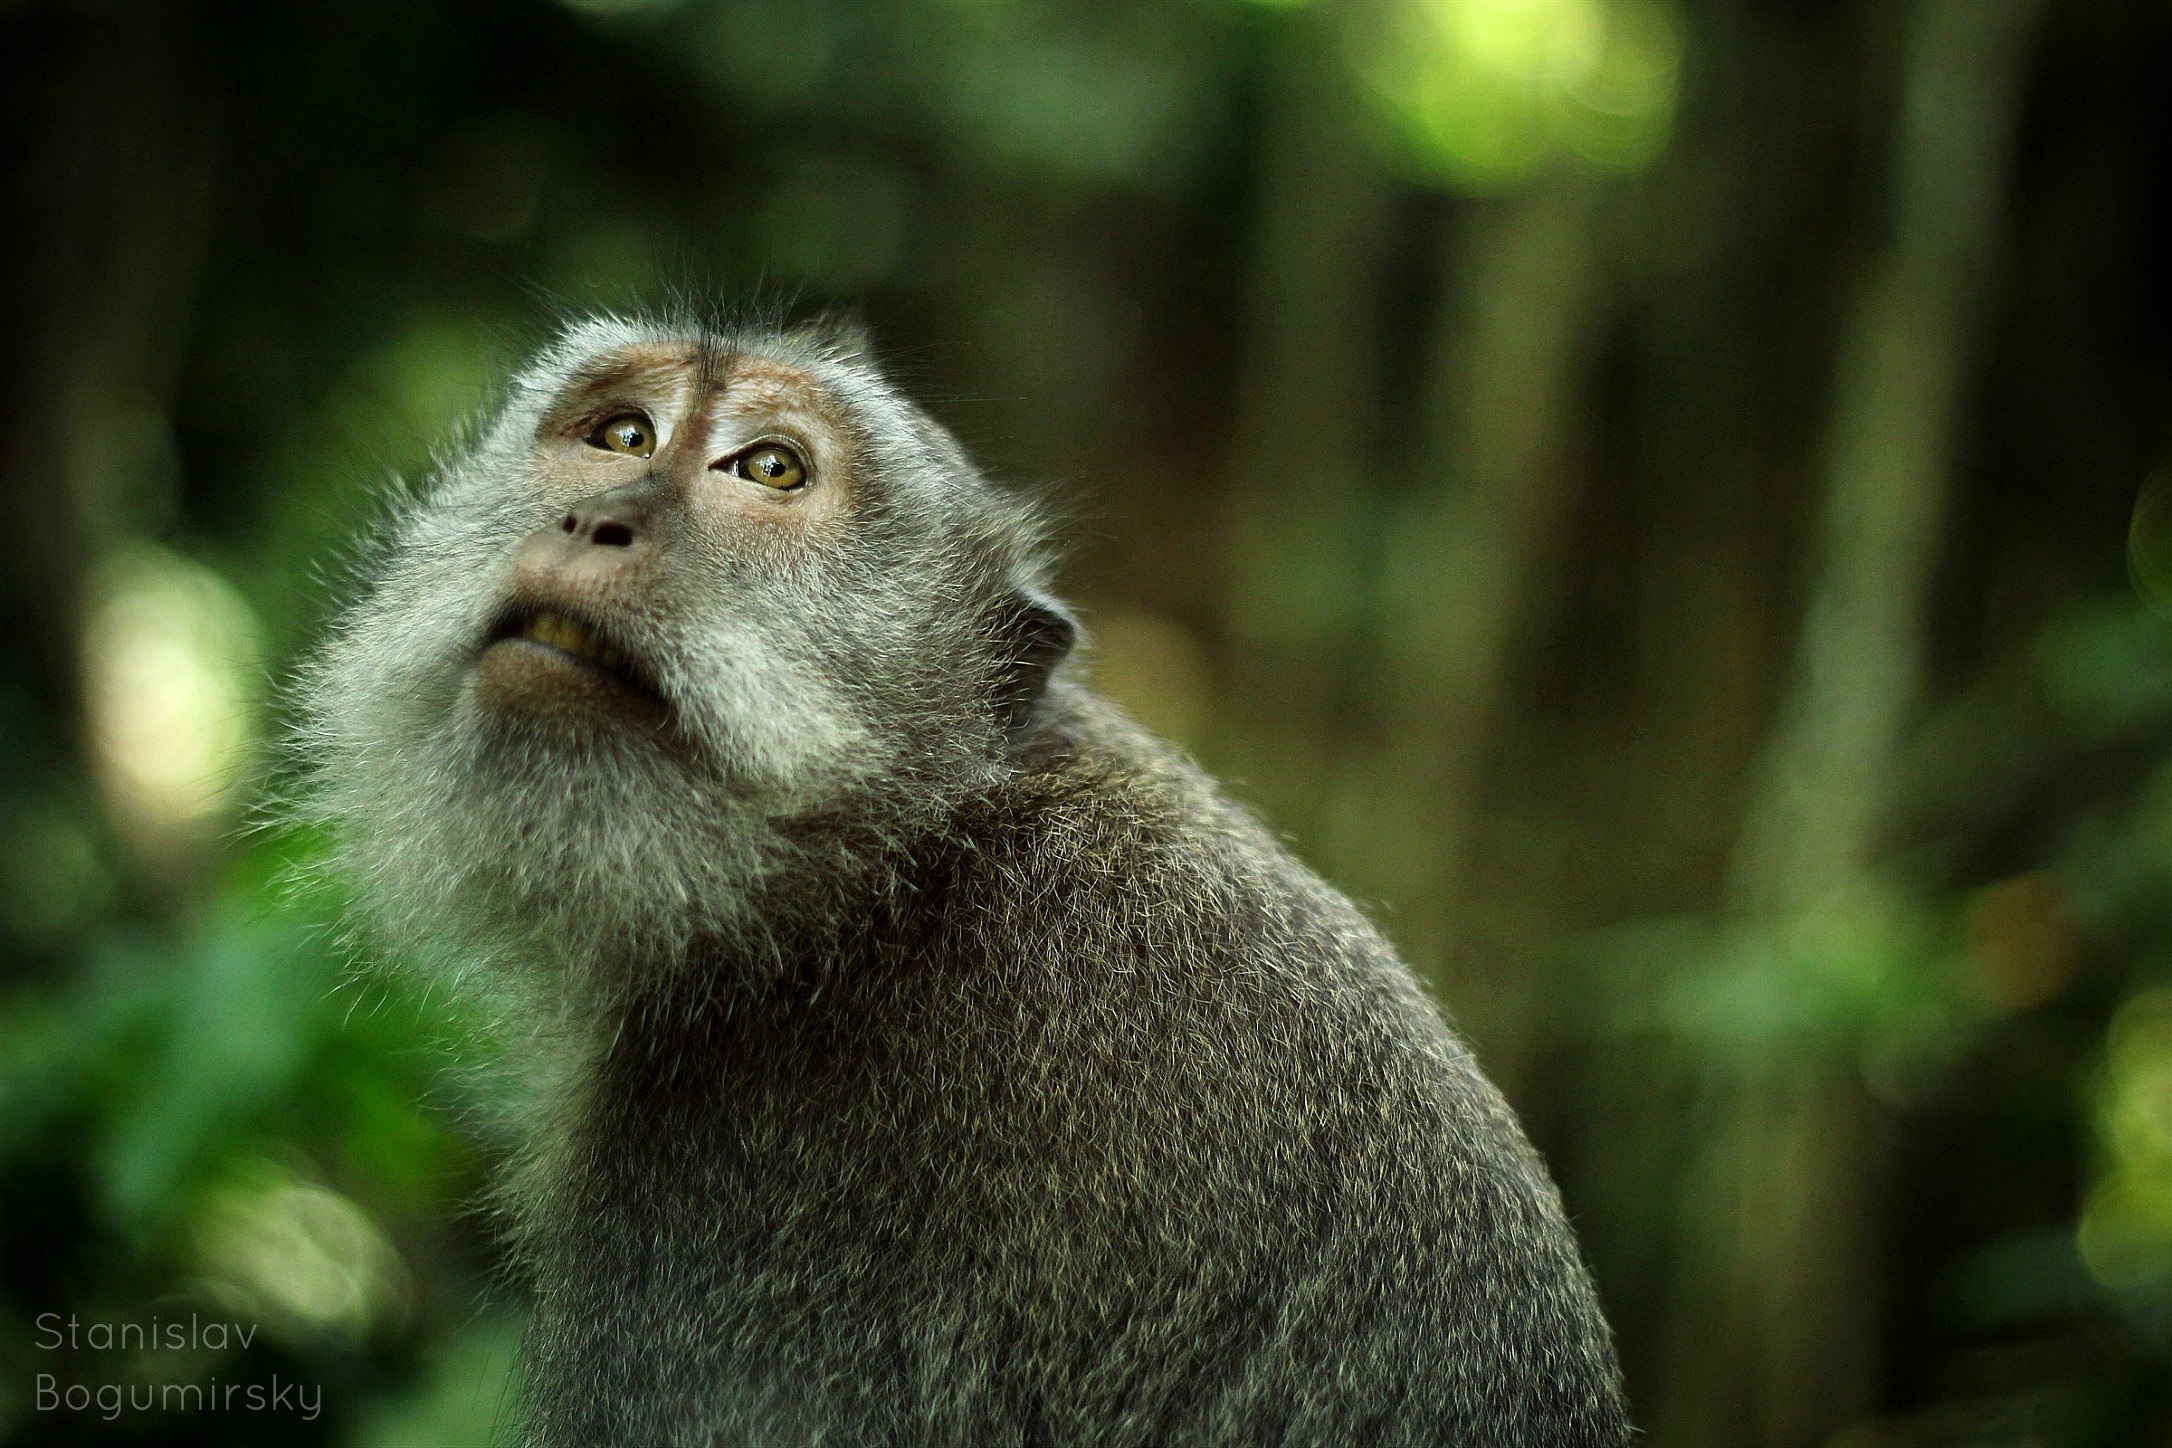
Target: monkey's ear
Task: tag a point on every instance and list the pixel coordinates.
(1034, 632)
(839, 333)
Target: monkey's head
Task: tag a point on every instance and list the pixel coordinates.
(694, 601)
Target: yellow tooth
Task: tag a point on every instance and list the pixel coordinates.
(561, 632)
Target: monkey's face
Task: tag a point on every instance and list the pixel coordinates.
(691, 510)
(688, 598)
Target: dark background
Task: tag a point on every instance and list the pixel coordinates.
(1662, 499)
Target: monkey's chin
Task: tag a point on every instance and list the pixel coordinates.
(526, 678)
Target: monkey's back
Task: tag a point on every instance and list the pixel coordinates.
(1109, 1122)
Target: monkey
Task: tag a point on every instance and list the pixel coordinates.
(925, 1053)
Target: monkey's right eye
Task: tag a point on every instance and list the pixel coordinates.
(628, 433)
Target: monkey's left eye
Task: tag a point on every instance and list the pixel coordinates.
(628, 433)
(771, 464)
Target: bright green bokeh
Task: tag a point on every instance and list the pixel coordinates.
(1477, 95)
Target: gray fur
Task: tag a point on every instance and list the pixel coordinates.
(926, 1071)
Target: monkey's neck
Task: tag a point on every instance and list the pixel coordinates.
(820, 899)
(816, 979)
(782, 1061)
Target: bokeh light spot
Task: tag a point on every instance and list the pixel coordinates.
(2149, 544)
(1477, 95)
(170, 660)
(297, 1256)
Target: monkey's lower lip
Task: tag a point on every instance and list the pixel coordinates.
(572, 640)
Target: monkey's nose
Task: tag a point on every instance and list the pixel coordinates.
(604, 534)
(608, 520)
(595, 541)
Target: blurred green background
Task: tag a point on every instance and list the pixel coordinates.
(1666, 500)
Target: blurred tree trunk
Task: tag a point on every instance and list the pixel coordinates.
(1307, 419)
(1775, 1292)
(127, 150)
(1488, 484)
(122, 175)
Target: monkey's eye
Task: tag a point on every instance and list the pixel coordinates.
(771, 464)
(627, 433)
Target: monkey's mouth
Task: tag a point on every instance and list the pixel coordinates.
(570, 637)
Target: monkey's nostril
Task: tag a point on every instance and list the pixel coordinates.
(612, 535)
(569, 523)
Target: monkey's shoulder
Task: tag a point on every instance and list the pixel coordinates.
(1114, 833)
(1116, 880)
(1214, 1042)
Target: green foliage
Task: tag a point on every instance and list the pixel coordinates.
(213, 1118)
